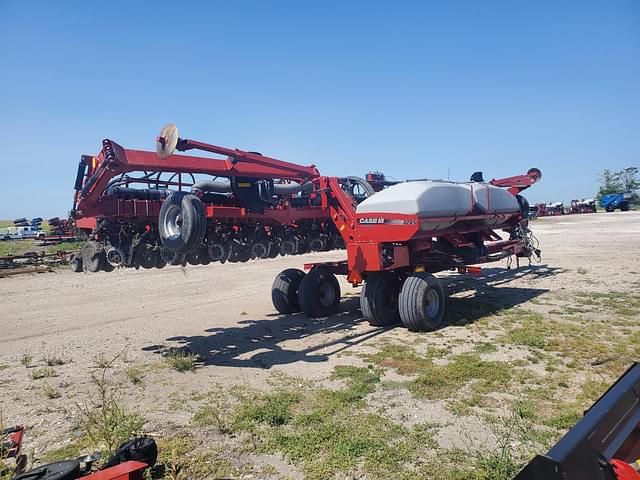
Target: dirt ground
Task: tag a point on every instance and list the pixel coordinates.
(538, 321)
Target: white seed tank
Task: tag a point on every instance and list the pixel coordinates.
(433, 199)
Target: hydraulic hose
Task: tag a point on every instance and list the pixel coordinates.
(224, 186)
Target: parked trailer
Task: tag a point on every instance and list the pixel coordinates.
(249, 206)
(395, 241)
(587, 205)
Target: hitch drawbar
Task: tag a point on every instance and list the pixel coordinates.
(603, 445)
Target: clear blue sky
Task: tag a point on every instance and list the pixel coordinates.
(415, 89)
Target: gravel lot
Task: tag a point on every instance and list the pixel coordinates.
(224, 314)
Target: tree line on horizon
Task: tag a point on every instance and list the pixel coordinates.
(625, 181)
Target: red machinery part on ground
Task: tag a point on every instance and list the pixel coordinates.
(131, 470)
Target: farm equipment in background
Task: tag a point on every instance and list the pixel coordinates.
(583, 206)
(603, 445)
(249, 206)
(615, 201)
(550, 209)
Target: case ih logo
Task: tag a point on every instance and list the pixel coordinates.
(371, 221)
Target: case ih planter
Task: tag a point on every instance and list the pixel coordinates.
(258, 207)
(247, 206)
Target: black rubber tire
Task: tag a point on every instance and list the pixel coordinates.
(288, 246)
(239, 253)
(147, 256)
(160, 262)
(203, 254)
(93, 258)
(416, 295)
(610, 208)
(218, 252)
(274, 250)
(64, 470)
(624, 207)
(193, 258)
(260, 250)
(182, 223)
(319, 293)
(317, 244)
(171, 258)
(75, 263)
(284, 291)
(379, 299)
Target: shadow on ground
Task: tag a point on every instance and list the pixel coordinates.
(276, 340)
(488, 292)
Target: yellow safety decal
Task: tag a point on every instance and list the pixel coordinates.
(342, 227)
(244, 184)
(419, 268)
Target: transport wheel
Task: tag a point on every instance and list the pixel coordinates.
(319, 293)
(75, 263)
(92, 256)
(284, 291)
(338, 243)
(379, 299)
(610, 208)
(624, 207)
(421, 302)
(182, 223)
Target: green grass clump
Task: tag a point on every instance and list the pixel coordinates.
(618, 303)
(42, 372)
(181, 361)
(404, 359)
(26, 360)
(443, 381)
(134, 374)
(271, 409)
(70, 450)
(183, 457)
(54, 360)
(50, 392)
